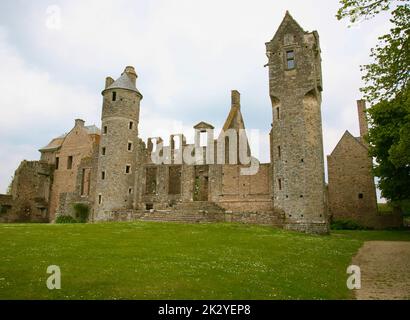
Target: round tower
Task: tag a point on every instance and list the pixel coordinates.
(118, 144)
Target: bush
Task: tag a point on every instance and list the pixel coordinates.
(347, 225)
(82, 211)
(65, 219)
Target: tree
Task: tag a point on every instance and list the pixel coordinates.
(389, 139)
(387, 89)
(390, 71)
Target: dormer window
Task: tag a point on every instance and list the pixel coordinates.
(290, 59)
(114, 96)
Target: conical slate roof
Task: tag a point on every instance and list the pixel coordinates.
(123, 82)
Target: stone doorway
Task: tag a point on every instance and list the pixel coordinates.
(201, 186)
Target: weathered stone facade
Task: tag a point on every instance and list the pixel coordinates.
(30, 194)
(295, 85)
(351, 188)
(121, 178)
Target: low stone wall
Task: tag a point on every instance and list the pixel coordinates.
(270, 218)
(309, 227)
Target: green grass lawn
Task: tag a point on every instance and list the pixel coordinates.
(144, 260)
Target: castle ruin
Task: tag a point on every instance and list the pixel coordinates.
(122, 178)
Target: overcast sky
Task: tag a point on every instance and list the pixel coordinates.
(189, 55)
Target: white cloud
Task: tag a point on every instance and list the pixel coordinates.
(188, 54)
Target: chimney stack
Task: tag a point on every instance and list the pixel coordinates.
(79, 122)
(235, 99)
(361, 109)
(130, 71)
(108, 81)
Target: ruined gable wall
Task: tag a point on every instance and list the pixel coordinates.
(79, 145)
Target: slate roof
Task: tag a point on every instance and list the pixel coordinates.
(56, 143)
(123, 82)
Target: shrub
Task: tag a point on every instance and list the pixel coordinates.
(347, 225)
(82, 211)
(65, 219)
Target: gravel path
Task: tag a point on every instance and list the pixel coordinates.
(385, 270)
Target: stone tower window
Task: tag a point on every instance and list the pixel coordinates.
(105, 130)
(103, 150)
(280, 184)
(129, 190)
(279, 152)
(129, 146)
(290, 59)
(57, 162)
(99, 198)
(69, 162)
(127, 169)
(360, 195)
(278, 113)
(102, 175)
(114, 96)
(131, 125)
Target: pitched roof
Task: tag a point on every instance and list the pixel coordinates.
(348, 135)
(56, 143)
(203, 125)
(288, 19)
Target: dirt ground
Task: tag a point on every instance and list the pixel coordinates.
(385, 270)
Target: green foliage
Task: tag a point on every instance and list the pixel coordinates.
(390, 146)
(366, 9)
(65, 219)
(390, 71)
(346, 224)
(82, 211)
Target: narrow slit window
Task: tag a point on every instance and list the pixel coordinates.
(99, 199)
(278, 113)
(131, 125)
(360, 195)
(57, 162)
(290, 59)
(280, 184)
(129, 190)
(127, 168)
(105, 130)
(114, 96)
(103, 150)
(279, 152)
(103, 175)
(129, 147)
(70, 162)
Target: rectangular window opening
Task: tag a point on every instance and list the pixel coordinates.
(129, 146)
(114, 96)
(131, 125)
(127, 168)
(69, 162)
(57, 162)
(99, 199)
(103, 151)
(102, 175)
(105, 130)
(280, 184)
(290, 59)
